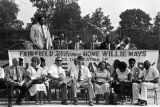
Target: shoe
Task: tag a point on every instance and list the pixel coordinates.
(37, 103)
(138, 102)
(123, 102)
(49, 102)
(64, 103)
(41, 102)
(97, 102)
(144, 103)
(107, 101)
(18, 103)
(91, 103)
(75, 101)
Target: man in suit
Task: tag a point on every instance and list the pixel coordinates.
(77, 44)
(93, 44)
(16, 78)
(107, 44)
(59, 43)
(40, 35)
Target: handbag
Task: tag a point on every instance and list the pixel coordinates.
(38, 81)
(100, 83)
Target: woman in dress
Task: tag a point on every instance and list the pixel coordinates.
(101, 79)
(36, 77)
(123, 78)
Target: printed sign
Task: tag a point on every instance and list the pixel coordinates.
(91, 57)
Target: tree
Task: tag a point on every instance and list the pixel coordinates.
(17, 24)
(66, 16)
(98, 23)
(59, 14)
(156, 28)
(8, 12)
(157, 19)
(134, 23)
(135, 19)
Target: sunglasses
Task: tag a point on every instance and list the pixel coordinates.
(59, 60)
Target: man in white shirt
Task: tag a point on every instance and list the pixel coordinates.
(81, 77)
(40, 35)
(58, 78)
(150, 81)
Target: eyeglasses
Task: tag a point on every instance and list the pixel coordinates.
(59, 60)
(34, 60)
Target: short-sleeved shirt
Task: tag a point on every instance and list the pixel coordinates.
(136, 73)
(151, 74)
(33, 73)
(101, 75)
(56, 71)
(45, 70)
(85, 73)
(123, 75)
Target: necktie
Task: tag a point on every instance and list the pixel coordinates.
(109, 46)
(76, 45)
(43, 35)
(17, 74)
(93, 45)
(79, 74)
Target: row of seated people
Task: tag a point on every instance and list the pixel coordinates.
(36, 79)
(134, 82)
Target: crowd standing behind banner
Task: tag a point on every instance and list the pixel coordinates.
(41, 39)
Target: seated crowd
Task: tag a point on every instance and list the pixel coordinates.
(38, 79)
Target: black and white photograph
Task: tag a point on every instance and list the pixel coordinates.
(79, 53)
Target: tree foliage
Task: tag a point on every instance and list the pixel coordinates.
(134, 23)
(156, 28)
(98, 23)
(66, 16)
(59, 15)
(8, 12)
(135, 18)
(157, 19)
(17, 24)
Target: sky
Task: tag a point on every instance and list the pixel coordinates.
(113, 8)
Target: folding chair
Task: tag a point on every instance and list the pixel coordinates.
(154, 90)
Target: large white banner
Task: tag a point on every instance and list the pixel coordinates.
(91, 57)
